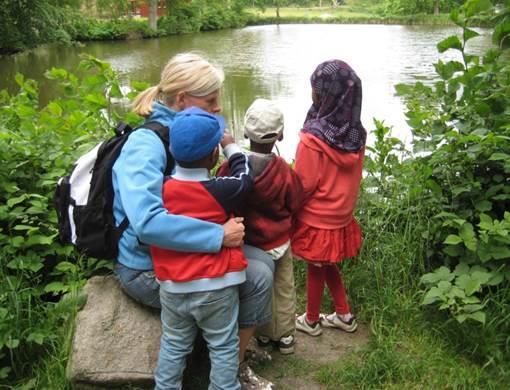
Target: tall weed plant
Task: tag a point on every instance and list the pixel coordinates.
(461, 129)
(39, 277)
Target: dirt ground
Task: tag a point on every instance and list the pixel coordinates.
(291, 372)
(297, 371)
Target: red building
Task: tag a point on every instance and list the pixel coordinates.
(141, 8)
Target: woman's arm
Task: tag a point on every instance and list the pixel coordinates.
(139, 173)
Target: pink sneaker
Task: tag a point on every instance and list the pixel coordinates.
(334, 321)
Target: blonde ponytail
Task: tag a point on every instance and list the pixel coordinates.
(142, 104)
(187, 72)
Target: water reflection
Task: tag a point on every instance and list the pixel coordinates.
(274, 62)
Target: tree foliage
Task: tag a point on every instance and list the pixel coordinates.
(109, 8)
(411, 7)
(27, 23)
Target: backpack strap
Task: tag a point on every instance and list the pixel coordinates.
(163, 132)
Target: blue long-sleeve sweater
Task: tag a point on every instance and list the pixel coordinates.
(137, 182)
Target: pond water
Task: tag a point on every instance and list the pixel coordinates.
(273, 62)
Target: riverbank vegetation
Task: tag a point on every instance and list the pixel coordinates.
(354, 11)
(433, 277)
(26, 24)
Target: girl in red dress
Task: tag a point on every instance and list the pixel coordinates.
(329, 162)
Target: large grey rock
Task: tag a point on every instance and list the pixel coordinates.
(116, 340)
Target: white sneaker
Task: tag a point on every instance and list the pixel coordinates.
(334, 321)
(286, 344)
(311, 329)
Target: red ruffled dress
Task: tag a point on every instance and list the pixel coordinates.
(325, 230)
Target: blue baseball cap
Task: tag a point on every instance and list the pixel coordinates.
(195, 133)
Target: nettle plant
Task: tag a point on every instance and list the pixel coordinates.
(38, 145)
(461, 126)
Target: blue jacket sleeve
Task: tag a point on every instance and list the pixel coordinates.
(139, 172)
(230, 191)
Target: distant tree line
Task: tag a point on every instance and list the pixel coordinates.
(28, 23)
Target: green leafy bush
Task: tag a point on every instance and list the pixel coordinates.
(88, 29)
(462, 126)
(39, 145)
(200, 16)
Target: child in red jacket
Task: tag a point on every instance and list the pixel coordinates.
(329, 162)
(267, 212)
(201, 290)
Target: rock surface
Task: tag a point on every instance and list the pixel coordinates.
(116, 340)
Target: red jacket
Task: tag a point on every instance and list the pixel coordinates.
(212, 200)
(331, 180)
(276, 195)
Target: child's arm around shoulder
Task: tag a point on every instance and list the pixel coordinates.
(230, 190)
(294, 193)
(307, 168)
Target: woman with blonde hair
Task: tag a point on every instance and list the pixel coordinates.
(187, 80)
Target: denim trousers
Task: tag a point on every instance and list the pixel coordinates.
(215, 313)
(254, 293)
(142, 286)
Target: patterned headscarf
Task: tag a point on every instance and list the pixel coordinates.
(335, 119)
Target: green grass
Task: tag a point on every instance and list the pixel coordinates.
(355, 12)
(352, 8)
(50, 371)
(395, 359)
(315, 12)
(290, 366)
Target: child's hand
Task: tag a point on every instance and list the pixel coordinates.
(233, 232)
(227, 139)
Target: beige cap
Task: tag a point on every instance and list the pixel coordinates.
(263, 121)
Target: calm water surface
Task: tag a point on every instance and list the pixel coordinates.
(273, 62)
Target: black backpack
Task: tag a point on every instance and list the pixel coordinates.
(84, 198)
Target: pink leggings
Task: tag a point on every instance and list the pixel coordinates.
(316, 277)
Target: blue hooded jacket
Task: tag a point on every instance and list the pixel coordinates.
(138, 177)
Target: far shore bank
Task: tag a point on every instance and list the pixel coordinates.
(340, 15)
(137, 28)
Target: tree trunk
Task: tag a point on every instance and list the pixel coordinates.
(153, 14)
(436, 7)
